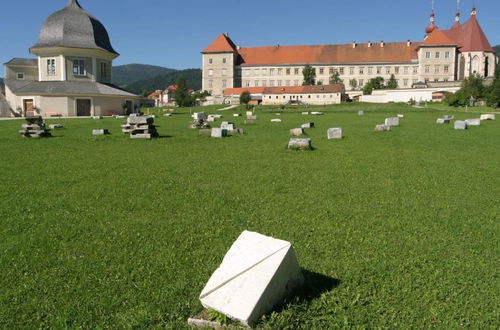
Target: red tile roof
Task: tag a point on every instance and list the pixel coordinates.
(438, 37)
(470, 37)
(316, 89)
(221, 44)
(391, 52)
(239, 90)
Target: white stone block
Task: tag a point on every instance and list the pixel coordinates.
(100, 132)
(334, 133)
(252, 117)
(218, 132)
(488, 117)
(55, 126)
(460, 124)
(473, 122)
(167, 115)
(97, 117)
(200, 116)
(296, 131)
(249, 113)
(308, 125)
(317, 113)
(361, 113)
(305, 113)
(236, 115)
(276, 120)
(257, 273)
(442, 121)
(392, 121)
(227, 126)
(382, 128)
(401, 116)
(300, 144)
(449, 117)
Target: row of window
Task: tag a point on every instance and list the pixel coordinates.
(211, 60)
(437, 68)
(322, 71)
(301, 96)
(437, 54)
(78, 68)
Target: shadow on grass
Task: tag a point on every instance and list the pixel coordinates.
(314, 286)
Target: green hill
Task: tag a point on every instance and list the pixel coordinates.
(497, 50)
(124, 75)
(193, 78)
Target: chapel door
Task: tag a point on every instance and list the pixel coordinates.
(28, 108)
(129, 106)
(83, 108)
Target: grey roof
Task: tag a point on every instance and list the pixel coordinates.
(20, 87)
(74, 27)
(23, 62)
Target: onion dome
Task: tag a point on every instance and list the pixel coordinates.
(74, 27)
(457, 22)
(432, 26)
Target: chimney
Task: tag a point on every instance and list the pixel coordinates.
(369, 44)
(238, 47)
(408, 43)
(354, 44)
(382, 44)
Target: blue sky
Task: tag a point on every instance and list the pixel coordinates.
(172, 33)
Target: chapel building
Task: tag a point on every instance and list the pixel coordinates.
(72, 73)
(443, 59)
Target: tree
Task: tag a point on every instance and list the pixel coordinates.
(309, 75)
(335, 78)
(245, 98)
(181, 94)
(493, 96)
(472, 87)
(392, 83)
(374, 83)
(353, 83)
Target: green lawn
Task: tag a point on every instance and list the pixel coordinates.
(394, 229)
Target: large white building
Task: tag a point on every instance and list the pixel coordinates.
(71, 75)
(442, 59)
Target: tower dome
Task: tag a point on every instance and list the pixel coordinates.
(432, 26)
(74, 27)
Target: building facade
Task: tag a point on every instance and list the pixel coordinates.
(444, 57)
(72, 73)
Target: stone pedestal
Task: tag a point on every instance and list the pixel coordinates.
(392, 121)
(488, 117)
(297, 131)
(473, 122)
(103, 131)
(218, 132)
(308, 125)
(382, 128)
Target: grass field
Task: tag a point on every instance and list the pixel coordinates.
(392, 229)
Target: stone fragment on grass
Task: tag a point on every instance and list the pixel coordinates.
(392, 121)
(308, 125)
(382, 128)
(218, 132)
(55, 126)
(442, 121)
(305, 113)
(300, 144)
(473, 122)
(334, 133)
(167, 115)
(257, 274)
(276, 120)
(317, 113)
(249, 121)
(361, 113)
(97, 117)
(401, 116)
(227, 125)
(103, 131)
(459, 124)
(297, 131)
(237, 131)
(487, 117)
(449, 117)
(252, 117)
(236, 115)
(200, 116)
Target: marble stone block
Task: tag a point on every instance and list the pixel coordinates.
(473, 122)
(249, 122)
(100, 132)
(317, 113)
(227, 125)
(401, 116)
(276, 120)
(236, 115)
(252, 117)
(200, 116)
(55, 126)
(442, 121)
(460, 124)
(382, 128)
(300, 144)
(218, 132)
(308, 125)
(488, 117)
(334, 133)
(305, 113)
(256, 275)
(297, 131)
(392, 121)
(361, 113)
